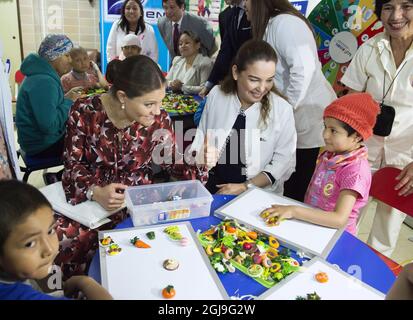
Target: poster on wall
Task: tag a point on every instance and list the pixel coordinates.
(112, 10)
(208, 9)
(341, 26)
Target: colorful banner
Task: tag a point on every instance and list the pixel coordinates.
(209, 9)
(110, 13)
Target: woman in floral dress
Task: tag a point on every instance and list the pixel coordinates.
(112, 141)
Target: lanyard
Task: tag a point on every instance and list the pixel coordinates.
(384, 82)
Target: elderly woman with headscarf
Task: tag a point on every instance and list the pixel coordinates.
(42, 107)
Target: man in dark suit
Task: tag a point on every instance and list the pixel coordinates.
(177, 20)
(223, 17)
(237, 31)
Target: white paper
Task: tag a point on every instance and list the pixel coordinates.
(88, 213)
(309, 236)
(138, 273)
(340, 285)
(6, 118)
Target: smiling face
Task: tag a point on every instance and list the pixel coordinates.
(132, 12)
(254, 82)
(337, 139)
(31, 247)
(187, 46)
(143, 109)
(397, 18)
(172, 11)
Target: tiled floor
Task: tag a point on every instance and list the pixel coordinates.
(404, 248)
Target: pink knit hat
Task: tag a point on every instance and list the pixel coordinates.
(358, 110)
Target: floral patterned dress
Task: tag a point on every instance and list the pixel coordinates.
(98, 153)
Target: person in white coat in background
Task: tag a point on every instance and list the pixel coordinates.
(191, 69)
(298, 77)
(131, 22)
(383, 66)
(250, 124)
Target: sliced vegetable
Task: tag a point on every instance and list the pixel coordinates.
(266, 262)
(275, 267)
(272, 253)
(209, 250)
(252, 234)
(231, 229)
(273, 242)
(255, 270)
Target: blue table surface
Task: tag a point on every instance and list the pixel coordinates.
(349, 253)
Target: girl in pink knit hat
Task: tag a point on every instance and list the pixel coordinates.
(341, 182)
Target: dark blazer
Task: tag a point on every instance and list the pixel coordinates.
(190, 22)
(222, 19)
(233, 39)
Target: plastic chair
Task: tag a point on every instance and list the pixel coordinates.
(382, 189)
(34, 164)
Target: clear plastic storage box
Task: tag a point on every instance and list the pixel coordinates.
(163, 202)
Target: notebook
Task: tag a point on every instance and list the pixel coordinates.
(88, 213)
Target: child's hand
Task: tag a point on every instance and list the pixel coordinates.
(94, 66)
(85, 286)
(73, 287)
(282, 212)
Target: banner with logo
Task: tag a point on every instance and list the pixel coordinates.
(209, 9)
(110, 13)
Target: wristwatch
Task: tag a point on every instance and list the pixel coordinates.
(89, 193)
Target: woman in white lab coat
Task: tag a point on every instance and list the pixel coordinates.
(298, 77)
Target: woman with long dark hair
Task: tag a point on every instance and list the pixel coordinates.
(250, 124)
(132, 21)
(298, 77)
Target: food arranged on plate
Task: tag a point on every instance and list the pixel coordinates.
(230, 245)
(179, 103)
(91, 92)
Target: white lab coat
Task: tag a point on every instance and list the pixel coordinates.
(373, 61)
(269, 149)
(299, 76)
(372, 65)
(116, 35)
